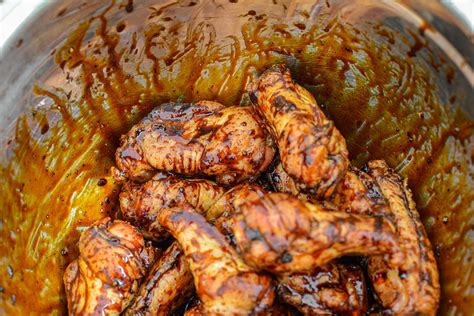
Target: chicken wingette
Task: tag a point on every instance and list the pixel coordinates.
(229, 144)
(168, 285)
(224, 283)
(312, 149)
(113, 258)
(331, 289)
(280, 233)
(141, 203)
(411, 288)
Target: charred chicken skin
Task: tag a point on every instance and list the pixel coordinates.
(311, 148)
(141, 203)
(224, 283)
(167, 286)
(206, 138)
(413, 286)
(113, 258)
(279, 233)
(333, 288)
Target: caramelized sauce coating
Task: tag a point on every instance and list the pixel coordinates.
(224, 283)
(167, 286)
(113, 258)
(279, 233)
(141, 203)
(412, 287)
(312, 149)
(333, 288)
(206, 138)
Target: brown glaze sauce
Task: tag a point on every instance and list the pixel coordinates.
(109, 76)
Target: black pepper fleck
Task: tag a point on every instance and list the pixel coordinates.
(101, 182)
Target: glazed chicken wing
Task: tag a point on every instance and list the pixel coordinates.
(413, 287)
(356, 193)
(141, 203)
(167, 286)
(333, 288)
(311, 148)
(224, 283)
(228, 143)
(113, 258)
(280, 233)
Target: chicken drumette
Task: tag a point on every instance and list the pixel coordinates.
(168, 285)
(113, 258)
(412, 287)
(224, 283)
(280, 233)
(206, 138)
(311, 148)
(332, 289)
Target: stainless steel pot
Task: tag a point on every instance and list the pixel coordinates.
(396, 76)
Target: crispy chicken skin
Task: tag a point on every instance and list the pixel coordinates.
(279, 233)
(413, 287)
(168, 285)
(206, 138)
(333, 288)
(113, 258)
(224, 283)
(311, 148)
(141, 203)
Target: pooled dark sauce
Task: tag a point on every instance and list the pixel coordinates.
(108, 77)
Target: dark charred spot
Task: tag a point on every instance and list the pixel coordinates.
(120, 27)
(129, 6)
(282, 104)
(253, 234)
(286, 258)
(101, 182)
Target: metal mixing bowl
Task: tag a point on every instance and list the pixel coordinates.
(396, 76)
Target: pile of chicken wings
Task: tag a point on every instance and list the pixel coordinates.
(257, 210)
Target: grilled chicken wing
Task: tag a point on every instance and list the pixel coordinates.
(312, 150)
(141, 203)
(228, 143)
(113, 259)
(279, 233)
(168, 285)
(333, 288)
(224, 283)
(413, 287)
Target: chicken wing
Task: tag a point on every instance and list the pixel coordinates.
(311, 148)
(280, 233)
(228, 143)
(141, 203)
(333, 288)
(224, 283)
(113, 258)
(413, 287)
(168, 285)
(356, 193)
